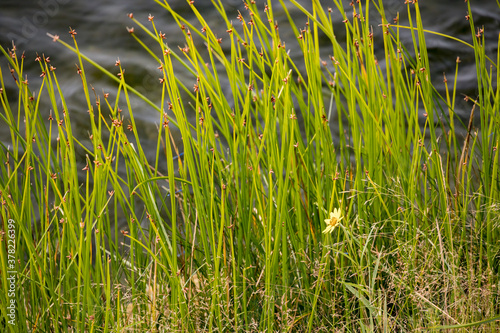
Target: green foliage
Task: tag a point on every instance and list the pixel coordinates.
(224, 230)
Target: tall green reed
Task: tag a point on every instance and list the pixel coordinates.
(230, 238)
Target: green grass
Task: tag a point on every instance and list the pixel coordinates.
(225, 230)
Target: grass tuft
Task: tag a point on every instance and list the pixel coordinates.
(222, 228)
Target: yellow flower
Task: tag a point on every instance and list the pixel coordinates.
(332, 221)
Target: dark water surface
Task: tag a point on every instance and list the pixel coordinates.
(102, 35)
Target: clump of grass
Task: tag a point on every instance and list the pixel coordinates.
(224, 232)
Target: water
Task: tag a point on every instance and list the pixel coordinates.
(102, 35)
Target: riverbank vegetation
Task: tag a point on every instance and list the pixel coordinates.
(222, 230)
